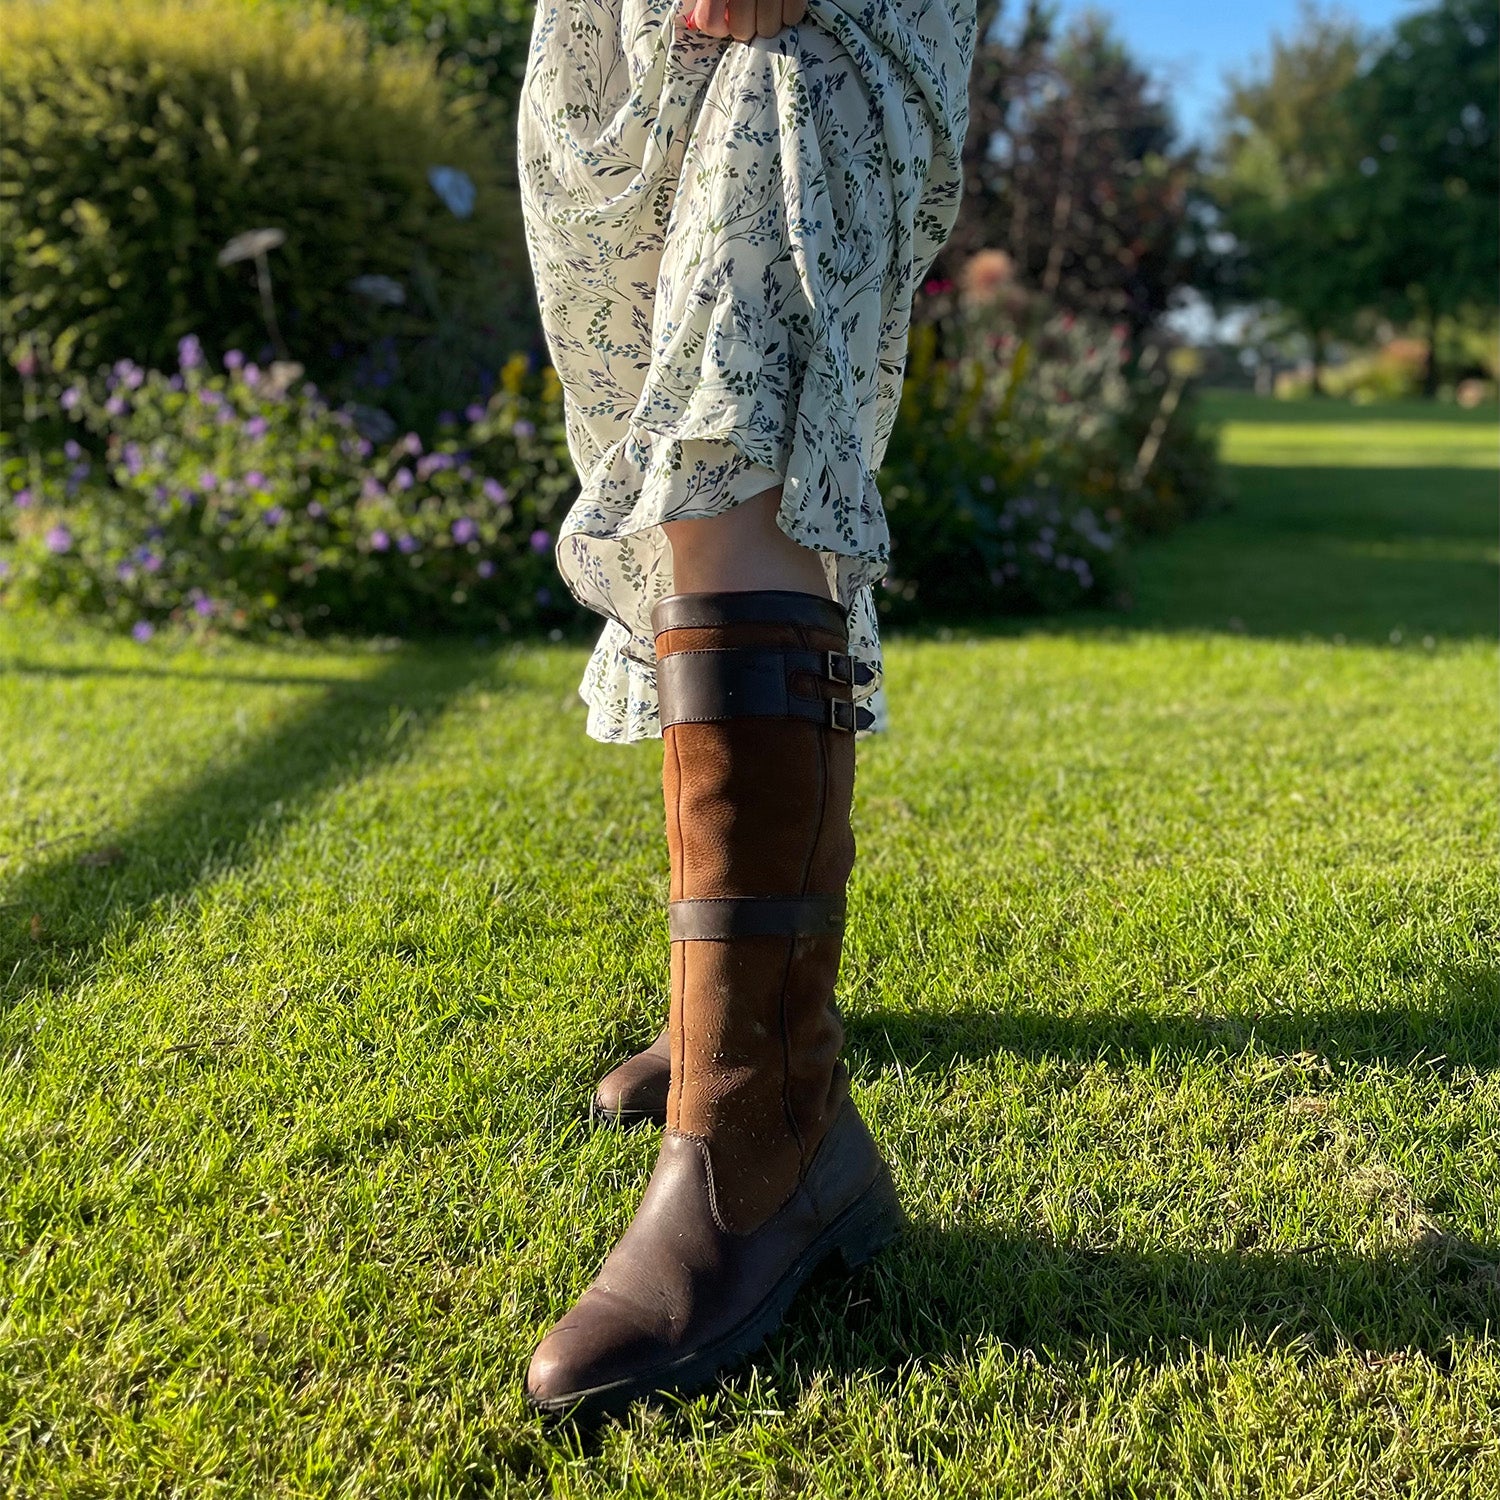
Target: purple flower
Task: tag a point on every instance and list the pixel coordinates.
(115, 406)
(71, 398)
(371, 489)
(59, 540)
(124, 572)
(540, 540)
(474, 412)
(255, 480)
(275, 516)
(175, 383)
(129, 374)
(433, 463)
(133, 460)
(411, 444)
(486, 569)
(314, 509)
(524, 429)
(255, 427)
(22, 499)
(142, 631)
(494, 490)
(189, 352)
(250, 374)
(4, 568)
(233, 359)
(407, 543)
(379, 541)
(26, 365)
(151, 563)
(403, 478)
(207, 479)
(72, 451)
(464, 530)
(203, 608)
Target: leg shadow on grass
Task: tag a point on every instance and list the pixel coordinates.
(59, 917)
(1459, 1030)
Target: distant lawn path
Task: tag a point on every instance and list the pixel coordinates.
(1172, 994)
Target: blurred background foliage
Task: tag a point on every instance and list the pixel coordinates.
(271, 359)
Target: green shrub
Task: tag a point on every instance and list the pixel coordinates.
(482, 42)
(985, 476)
(243, 501)
(1028, 448)
(138, 138)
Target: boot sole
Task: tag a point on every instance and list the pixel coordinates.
(624, 1119)
(874, 1220)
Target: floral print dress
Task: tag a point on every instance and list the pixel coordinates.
(726, 237)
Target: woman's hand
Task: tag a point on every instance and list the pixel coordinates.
(744, 20)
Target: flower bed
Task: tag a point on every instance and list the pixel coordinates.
(242, 499)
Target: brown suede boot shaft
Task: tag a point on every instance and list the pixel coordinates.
(756, 807)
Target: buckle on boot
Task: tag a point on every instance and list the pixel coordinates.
(837, 667)
(841, 714)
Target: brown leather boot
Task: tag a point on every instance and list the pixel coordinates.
(766, 1168)
(636, 1091)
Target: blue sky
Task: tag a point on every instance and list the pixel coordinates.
(1191, 44)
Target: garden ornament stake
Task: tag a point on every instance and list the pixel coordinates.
(256, 245)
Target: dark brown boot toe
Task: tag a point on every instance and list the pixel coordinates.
(635, 1093)
(682, 1298)
(598, 1350)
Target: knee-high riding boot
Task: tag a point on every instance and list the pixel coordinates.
(766, 1168)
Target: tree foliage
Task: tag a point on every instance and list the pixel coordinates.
(1359, 178)
(1072, 167)
(1425, 190)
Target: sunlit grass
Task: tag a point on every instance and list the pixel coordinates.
(1171, 994)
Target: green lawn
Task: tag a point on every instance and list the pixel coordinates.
(1172, 995)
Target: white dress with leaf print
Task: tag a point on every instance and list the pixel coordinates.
(726, 237)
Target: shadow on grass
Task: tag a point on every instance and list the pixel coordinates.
(1462, 1031)
(58, 916)
(940, 1289)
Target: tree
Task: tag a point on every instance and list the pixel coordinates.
(1424, 193)
(1280, 176)
(1072, 168)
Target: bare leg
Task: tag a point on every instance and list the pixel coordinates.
(742, 549)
